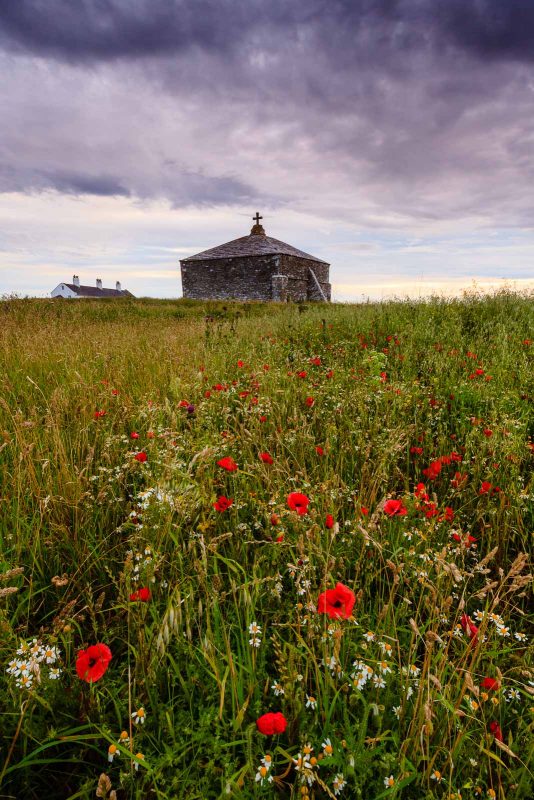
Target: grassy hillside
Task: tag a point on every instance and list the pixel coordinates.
(402, 433)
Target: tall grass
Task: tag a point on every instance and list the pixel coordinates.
(354, 404)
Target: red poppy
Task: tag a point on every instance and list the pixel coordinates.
(141, 457)
(468, 540)
(495, 728)
(223, 503)
(134, 435)
(302, 374)
(266, 458)
(420, 491)
(416, 451)
(319, 450)
(329, 521)
(92, 663)
(99, 414)
(143, 595)
(150, 435)
(310, 401)
(271, 723)
(263, 418)
(485, 487)
(337, 603)
(315, 361)
(433, 470)
(491, 683)
(240, 363)
(227, 463)
(298, 502)
(395, 508)
(364, 511)
(469, 627)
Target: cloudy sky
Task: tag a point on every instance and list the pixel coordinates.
(392, 138)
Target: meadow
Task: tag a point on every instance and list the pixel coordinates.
(262, 551)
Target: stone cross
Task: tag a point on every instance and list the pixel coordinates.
(257, 218)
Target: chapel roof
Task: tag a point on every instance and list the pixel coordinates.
(256, 244)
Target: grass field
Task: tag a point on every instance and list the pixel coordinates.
(384, 456)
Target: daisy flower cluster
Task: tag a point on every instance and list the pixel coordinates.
(35, 660)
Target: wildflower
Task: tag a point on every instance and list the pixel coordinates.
(339, 783)
(495, 728)
(92, 663)
(112, 752)
(379, 682)
(386, 647)
(271, 723)
(328, 750)
(144, 595)
(263, 774)
(134, 435)
(266, 458)
(436, 776)
(227, 463)
(141, 457)
(389, 782)
(223, 503)
(139, 716)
(319, 450)
(396, 710)
(123, 739)
(337, 603)
(306, 767)
(513, 694)
(490, 683)
(395, 508)
(329, 521)
(54, 673)
(298, 502)
(521, 637)
(470, 628)
(278, 689)
(310, 401)
(369, 636)
(24, 681)
(49, 655)
(140, 757)
(311, 702)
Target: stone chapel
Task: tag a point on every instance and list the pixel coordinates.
(255, 267)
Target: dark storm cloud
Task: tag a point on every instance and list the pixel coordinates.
(422, 108)
(491, 28)
(76, 183)
(88, 30)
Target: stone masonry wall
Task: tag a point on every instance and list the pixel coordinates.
(243, 278)
(250, 278)
(301, 286)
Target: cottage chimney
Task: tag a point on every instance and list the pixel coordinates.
(75, 280)
(98, 283)
(118, 286)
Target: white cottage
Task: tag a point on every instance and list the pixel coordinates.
(75, 289)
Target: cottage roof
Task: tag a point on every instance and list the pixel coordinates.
(256, 244)
(93, 291)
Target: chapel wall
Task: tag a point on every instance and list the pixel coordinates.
(242, 278)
